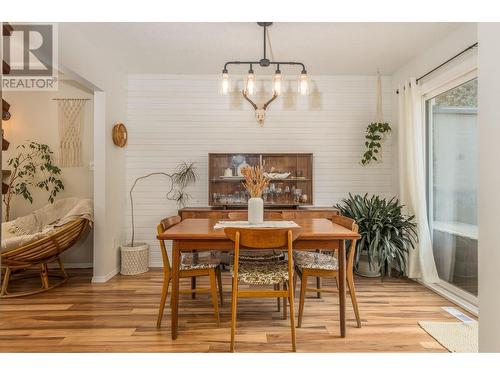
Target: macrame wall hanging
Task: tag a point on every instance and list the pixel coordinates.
(71, 115)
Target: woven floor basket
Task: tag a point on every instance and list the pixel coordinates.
(135, 259)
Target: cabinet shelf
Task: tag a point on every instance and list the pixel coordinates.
(293, 191)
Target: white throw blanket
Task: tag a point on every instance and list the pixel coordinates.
(41, 222)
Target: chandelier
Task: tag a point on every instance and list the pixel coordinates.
(249, 84)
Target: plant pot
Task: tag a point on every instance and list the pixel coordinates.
(364, 269)
(135, 259)
(255, 211)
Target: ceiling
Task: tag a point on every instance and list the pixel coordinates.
(325, 48)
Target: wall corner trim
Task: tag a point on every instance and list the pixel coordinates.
(105, 278)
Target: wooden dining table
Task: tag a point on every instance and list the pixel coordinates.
(200, 235)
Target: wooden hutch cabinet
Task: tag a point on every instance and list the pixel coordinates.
(290, 174)
(290, 190)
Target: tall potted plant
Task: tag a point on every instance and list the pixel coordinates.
(32, 167)
(135, 255)
(386, 234)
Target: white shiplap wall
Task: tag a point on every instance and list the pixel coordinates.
(173, 118)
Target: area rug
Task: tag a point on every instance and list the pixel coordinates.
(458, 337)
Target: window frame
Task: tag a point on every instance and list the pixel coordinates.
(454, 77)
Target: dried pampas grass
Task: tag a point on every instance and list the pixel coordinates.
(255, 182)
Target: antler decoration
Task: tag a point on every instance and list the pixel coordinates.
(260, 113)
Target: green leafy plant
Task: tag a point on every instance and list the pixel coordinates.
(184, 175)
(374, 134)
(386, 233)
(33, 166)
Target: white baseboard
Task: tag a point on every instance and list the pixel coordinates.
(105, 278)
(452, 297)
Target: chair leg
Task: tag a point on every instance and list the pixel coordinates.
(234, 300)
(352, 293)
(213, 292)
(284, 301)
(164, 293)
(44, 274)
(61, 266)
(318, 282)
(278, 299)
(219, 281)
(292, 317)
(193, 286)
(6, 280)
(303, 287)
(294, 284)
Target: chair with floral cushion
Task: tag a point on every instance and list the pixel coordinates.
(317, 264)
(263, 255)
(262, 273)
(206, 263)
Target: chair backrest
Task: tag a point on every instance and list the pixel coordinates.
(243, 215)
(263, 238)
(350, 224)
(260, 239)
(162, 227)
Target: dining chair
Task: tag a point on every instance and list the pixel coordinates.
(262, 273)
(217, 215)
(317, 264)
(263, 255)
(192, 264)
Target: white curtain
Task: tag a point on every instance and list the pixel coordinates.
(412, 178)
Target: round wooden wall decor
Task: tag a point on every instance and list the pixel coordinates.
(120, 135)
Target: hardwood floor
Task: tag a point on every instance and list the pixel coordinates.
(120, 316)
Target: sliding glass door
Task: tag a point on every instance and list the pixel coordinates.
(452, 184)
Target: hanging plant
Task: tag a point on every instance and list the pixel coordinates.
(374, 133)
(376, 130)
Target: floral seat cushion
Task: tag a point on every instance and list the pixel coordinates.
(262, 273)
(200, 260)
(318, 261)
(260, 255)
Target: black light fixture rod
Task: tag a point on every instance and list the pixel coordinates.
(264, 62)
(288, 63)
(239, 63)
(258, 63)
(264, 41)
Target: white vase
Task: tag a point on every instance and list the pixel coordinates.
(255, 211)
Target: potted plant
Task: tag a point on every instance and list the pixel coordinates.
(386, 234)
(373, 138)
(135, 255)
(33, 166)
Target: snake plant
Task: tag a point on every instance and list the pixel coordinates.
(386, 233)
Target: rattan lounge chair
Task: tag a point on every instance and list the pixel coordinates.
(38, 255)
